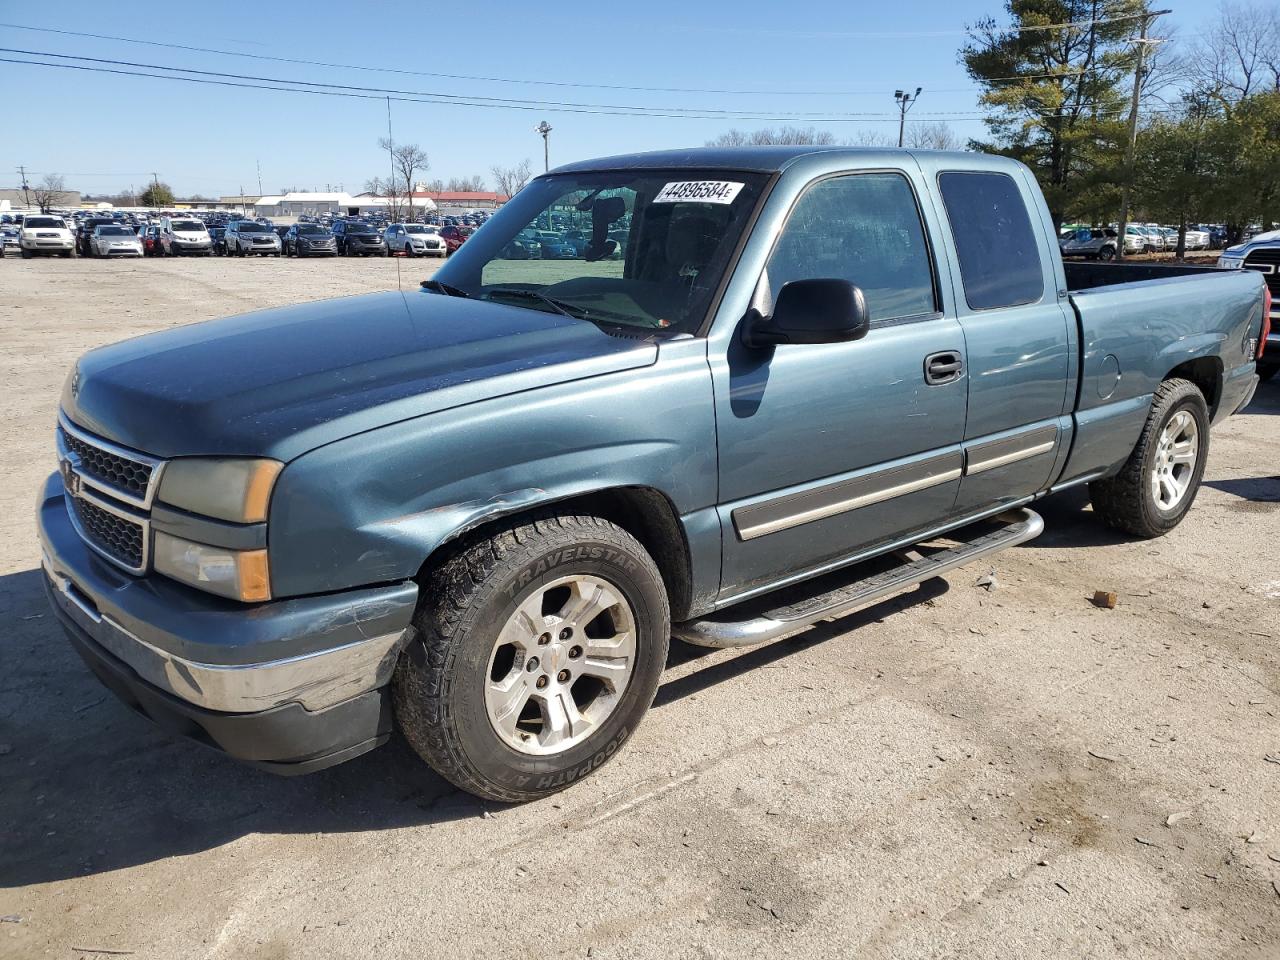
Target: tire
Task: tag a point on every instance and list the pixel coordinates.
(26, 254)
(1107, 253)
(1128, 501)
(1267, 370)
(445, 679)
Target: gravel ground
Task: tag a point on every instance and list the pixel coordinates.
(955, 773)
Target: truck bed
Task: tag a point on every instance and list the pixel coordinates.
(1085, 275)
(1136, 323)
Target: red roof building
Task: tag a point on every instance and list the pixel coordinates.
(469, 199)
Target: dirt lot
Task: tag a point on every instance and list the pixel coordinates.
(956, 773)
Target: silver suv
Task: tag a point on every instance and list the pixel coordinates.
(245, 237)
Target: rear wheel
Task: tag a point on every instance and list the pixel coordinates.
(1107, 253)
(1158, 483)
(537, 651)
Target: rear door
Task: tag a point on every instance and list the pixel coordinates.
(1018, 328)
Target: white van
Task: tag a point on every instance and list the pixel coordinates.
(182, 235)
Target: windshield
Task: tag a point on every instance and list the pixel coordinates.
(416, 228)
(310, 228)
(653, 247)
(248, 226)
(32, 222)
(195, 225)
(114, 232)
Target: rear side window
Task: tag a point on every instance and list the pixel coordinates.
(864, 228)
(999, 257)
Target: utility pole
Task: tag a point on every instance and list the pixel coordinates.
(259, 163)
(26, 196)
(155, 188)
(905, 102)
(1131, 147)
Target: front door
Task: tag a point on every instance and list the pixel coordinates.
(829, 449)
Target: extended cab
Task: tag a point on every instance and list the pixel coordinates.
(479, 510)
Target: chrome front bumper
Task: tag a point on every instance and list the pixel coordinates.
(316, 680)
(221, 655)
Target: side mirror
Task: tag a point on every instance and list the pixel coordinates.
(811, 311)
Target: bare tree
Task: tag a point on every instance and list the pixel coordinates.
(407, 160)
(769, 135)
(511, 180)
(49, 192)
(872, 138)
(471, 184)
(1240, 55)
(390, 191)
(933, 136)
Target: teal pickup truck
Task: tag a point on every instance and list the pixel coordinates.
(771, 385)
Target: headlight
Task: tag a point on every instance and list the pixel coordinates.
(1231, 263)
(225, 488)
(238, 574)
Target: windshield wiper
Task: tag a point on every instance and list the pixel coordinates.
(447, 289)
(559, 306)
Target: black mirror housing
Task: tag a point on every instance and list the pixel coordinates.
(811, 311)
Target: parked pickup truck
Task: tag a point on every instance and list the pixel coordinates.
(1261, 254)
(807, 379)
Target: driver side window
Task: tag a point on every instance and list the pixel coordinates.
(864, 228)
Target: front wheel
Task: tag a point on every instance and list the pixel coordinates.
(1158, 483)
(535, 654)
(1107, 253)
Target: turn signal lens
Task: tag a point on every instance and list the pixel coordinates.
(238, 574)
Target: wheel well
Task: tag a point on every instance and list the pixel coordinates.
(643, 512)
(1205, 373)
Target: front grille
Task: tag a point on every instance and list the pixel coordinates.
(130, 476)
(1269, 257)
(120, 539)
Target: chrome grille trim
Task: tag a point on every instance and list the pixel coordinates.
(155, 465)
(143, 522)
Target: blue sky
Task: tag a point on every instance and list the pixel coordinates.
(106, 132)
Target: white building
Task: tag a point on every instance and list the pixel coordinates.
(340, 204)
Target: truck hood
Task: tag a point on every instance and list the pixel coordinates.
(277, 383)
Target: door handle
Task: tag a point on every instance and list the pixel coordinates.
(946, 366)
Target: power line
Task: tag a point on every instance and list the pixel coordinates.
(291, 85)
(547, 83)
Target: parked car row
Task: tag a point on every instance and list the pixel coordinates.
(1102, 243)
(190, 236)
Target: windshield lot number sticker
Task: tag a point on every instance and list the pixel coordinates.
(698, 191)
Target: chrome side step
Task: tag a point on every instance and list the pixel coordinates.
(776, 615)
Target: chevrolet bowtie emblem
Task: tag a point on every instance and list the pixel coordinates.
(70, 479)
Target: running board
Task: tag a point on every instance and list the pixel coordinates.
(769, 617)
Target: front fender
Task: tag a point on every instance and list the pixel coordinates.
(372, 508)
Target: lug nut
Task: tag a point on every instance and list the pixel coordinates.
(575, 653)
(544, 639)
(542, 682)
(566, 633)
(533, 664)
(562, 676)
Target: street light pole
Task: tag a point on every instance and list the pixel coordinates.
(544, 128)
(905, 102)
